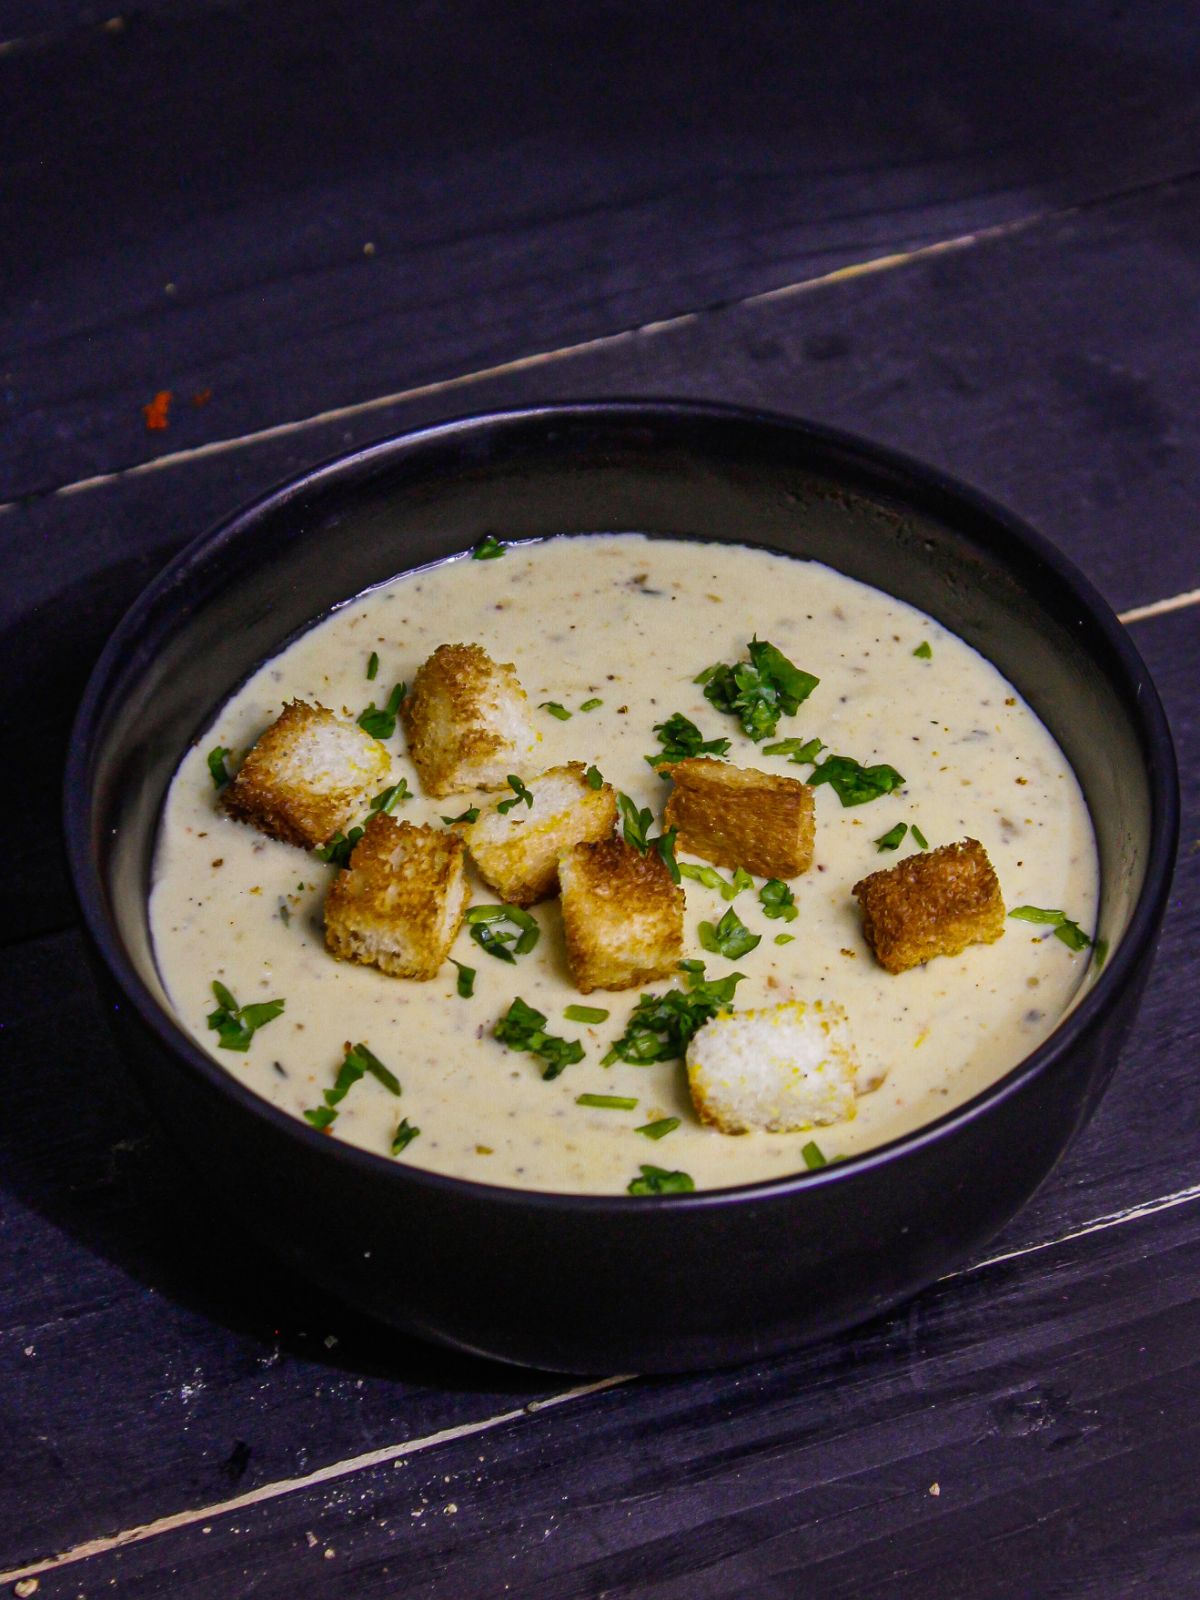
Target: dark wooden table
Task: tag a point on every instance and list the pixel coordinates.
(969, 231)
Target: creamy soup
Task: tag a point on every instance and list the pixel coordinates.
(630, 622)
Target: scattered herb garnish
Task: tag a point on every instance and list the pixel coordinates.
(661, 1025)
(591, 705)
(730, 938)
(585, 1014)
(338, 850)
(519, 793)
(798, 750)
(1071, 934)
(321, 1117)
(373, 665)
(924, 650)
(657, 1180)
(729, 888)
(919, 838)
(595, 778)
(482, 925)
(664, 843)
(607, 1102)
(236, 1025)
(759, 691)
(471, 814)
(853, 783)
(381, 724)
(487, 549)
(387, 800)
(403, 1136)
(555, 710)
(778, 901)
(635, 822)
(659, 1129)
(369, 1062)
(357, 1062)
(892, 839)
(216, 765)
(523, 1028)
(814, 1156)
(785, 938)
(466, 979)
(1100, 952)
(680, 739)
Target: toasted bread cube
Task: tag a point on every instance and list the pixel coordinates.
(622, 915)
(783, 1068)
(467, 720)
(737, 817)
(307, 776)
(399, 903)
(934, 904)
(517, 850)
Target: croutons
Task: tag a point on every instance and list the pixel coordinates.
(784, 1068)
(933, 904)
(737, 817)
(308, 774)
(517, 850)
(467, 720)
(622, 915)
(399, 903)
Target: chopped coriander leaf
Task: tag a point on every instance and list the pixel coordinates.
(665, 845)
(387, 800)
(741, 880)
(466, 979)
(519, 793)
(487, 549)
(657, 1180)
(348, 1074)
(555, 710)
(471, 814)
(692, 966)
(523, 1028)
(892, 839)
(680, 739)
(661, 1025)
(607, 1102)
(585, 1014)
(1100, 952)
(778, 900)
(591, 705)
(234, 1025)
(659, 1129)
(785, 938)
(814, 1156)
(798, 750)
(403, 1136)
(321, 1117)
(381, 724)
(919, 838)
(481, 924)
(760, 691)
(369, 1062)
(595, 778)
(730, 938)
(373, 665)
(1071, 934)
(216, 765)
(634, 822)
(924, 650)
(708, 876)
(338, 850)
(853, 783)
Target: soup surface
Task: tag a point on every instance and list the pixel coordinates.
(630, 622)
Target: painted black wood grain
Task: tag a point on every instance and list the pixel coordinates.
(1029, 1430)
(1072, 400)
(192, 195)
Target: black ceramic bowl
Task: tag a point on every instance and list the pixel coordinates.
(586, 1283)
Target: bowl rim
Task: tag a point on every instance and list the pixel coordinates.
(873, 458)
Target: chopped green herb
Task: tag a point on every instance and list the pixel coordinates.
(785, 938)
(634, 822)
(924, 650)
(607, 1102)
(892, 839)
(466, 979)
(373, 665)
(321, 1117)
(919, 838)
(523, 1028)
(519, 793)
(481, 925)
(471, 814)
(367, 1061)
(487, 549)
(661, 1025)
(659, 1129)
(381, 724)
(741, 880)
(730, 938)
(403, 1136)
(387, 800)
(591, 705)
(708, 876)
(680, 739)
(1071, 934)
(236, 1025)
(555, 710)
(657, 1180)
(595, 778)
(1100, 952)
(814, 1156)
(799, 750)
(338, 850)
(585, 1014)
(759, 691)
(216, 765)
(665, 845)
(853, 783)
(778, 901)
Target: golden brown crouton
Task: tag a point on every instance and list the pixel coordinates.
(517, 850)
(467, 720)
(622, 915)
(780, 1069)
(931, 905)
(399, 903)
(737, 817)
(308, 774)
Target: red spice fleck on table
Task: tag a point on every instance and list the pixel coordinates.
(156, 412)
